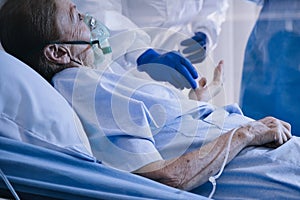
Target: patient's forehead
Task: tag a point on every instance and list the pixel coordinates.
(64, 17)
(70, 23)
(69, 19)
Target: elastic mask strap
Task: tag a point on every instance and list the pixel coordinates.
(8, 185)
(75, 61)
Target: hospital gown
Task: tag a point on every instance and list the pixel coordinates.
(132, 122)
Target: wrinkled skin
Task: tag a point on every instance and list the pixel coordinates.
(194, 168)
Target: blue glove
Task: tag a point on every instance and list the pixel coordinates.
(195, 47)
(171, 67)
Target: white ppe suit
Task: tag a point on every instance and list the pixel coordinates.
(159, 24)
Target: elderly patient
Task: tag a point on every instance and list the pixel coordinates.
(133, 124)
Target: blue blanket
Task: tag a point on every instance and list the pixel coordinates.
(46, 174)
(260, 173)
(256, 173)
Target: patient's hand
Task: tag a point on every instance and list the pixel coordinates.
(269, 132)
(207, 92)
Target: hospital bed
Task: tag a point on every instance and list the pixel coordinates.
(40, 173)
(44, 153)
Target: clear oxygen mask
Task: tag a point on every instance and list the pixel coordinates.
(99, 39)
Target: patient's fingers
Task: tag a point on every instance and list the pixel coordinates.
(286, 125)
(206, 92)
(286, 129)
(202, 82)
(285, 137)
(218, 72)
(284, 134)
(288, 134)
(280, 138)
(221, 63)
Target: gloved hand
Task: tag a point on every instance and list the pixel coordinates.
(171, 67)
(195, 47)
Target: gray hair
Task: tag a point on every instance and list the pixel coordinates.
(26, 26)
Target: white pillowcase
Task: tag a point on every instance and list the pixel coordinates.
(32, 111)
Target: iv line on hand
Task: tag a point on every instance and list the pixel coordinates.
(213, 179)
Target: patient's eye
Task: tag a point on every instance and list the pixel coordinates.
(80, 16)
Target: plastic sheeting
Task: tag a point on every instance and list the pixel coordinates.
(40, 173)
(271, 74)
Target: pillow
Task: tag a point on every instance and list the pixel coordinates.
(32, 111)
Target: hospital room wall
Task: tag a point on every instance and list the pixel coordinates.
(241, 17)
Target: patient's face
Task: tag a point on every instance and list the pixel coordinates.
(72, 27)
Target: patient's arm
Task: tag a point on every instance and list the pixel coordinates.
(194, 168)
(206, 92)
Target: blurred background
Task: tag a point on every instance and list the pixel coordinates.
(241, 17)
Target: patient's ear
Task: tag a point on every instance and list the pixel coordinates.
(57, 54)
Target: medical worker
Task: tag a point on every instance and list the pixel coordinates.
(154, 29)
(199, 20)
(271, 74)
(135, 125)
